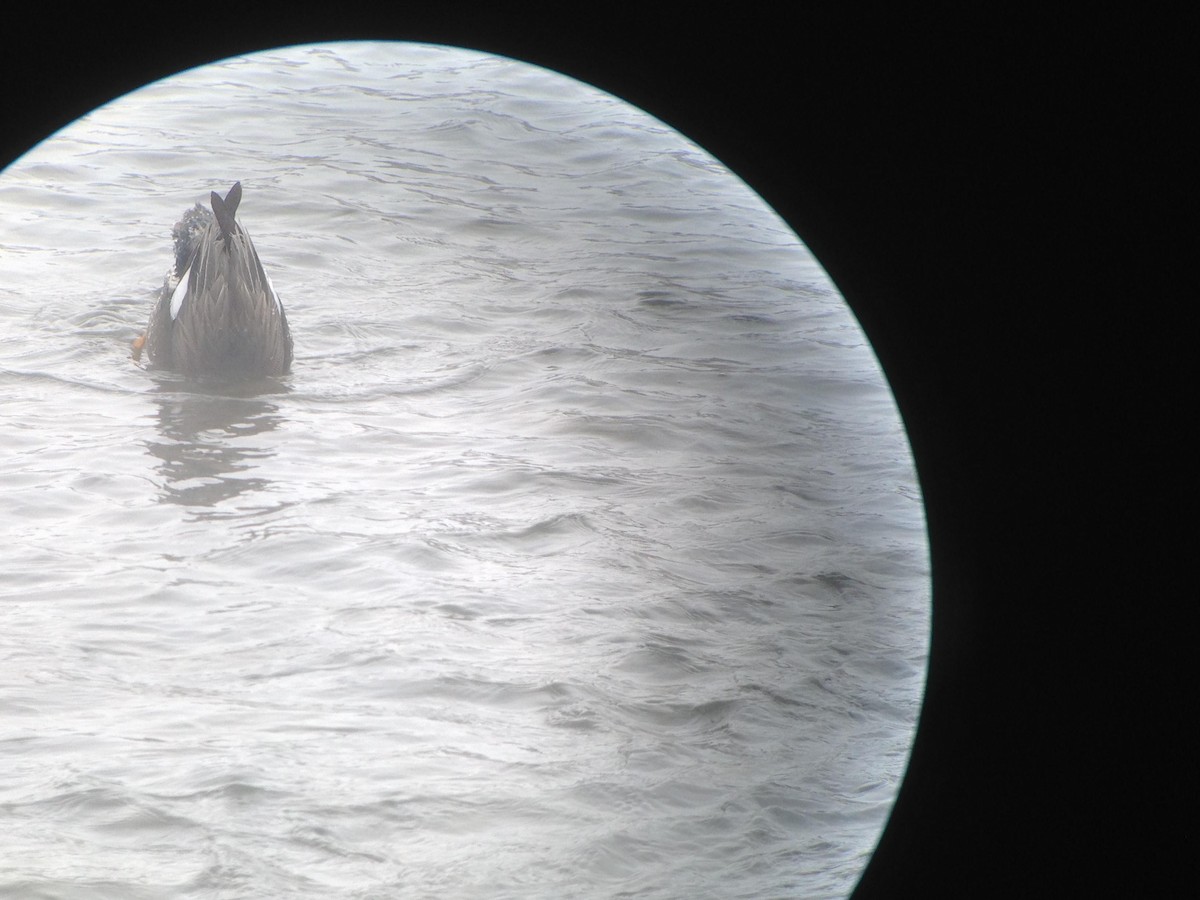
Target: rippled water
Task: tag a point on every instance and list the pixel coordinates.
(581, 555)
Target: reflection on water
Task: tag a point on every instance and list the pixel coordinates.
(207, 441)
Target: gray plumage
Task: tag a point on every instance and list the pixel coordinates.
(222, 318)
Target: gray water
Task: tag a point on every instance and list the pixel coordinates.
(581, 554)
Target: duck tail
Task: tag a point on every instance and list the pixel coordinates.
(225, 209)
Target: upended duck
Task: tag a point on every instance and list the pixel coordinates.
(218, 314)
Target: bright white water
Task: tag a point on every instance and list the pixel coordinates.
(581, 555)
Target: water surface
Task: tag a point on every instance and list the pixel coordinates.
(581, 554)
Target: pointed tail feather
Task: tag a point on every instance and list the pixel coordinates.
(225, 209)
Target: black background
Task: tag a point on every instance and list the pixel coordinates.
(977, 187)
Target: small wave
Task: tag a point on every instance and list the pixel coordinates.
(487, 692)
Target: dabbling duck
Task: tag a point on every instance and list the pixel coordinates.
(218, 314)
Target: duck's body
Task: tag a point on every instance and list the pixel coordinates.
(219, 316)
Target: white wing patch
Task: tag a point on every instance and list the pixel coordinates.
(274, 296)
(180, 293)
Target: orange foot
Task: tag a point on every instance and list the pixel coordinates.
(138, 343)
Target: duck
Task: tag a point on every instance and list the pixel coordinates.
(218, 315)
